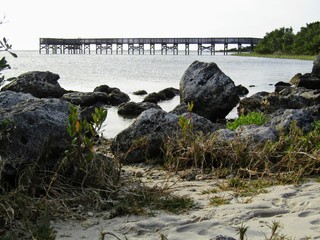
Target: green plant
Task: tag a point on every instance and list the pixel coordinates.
(242, 231)
(4, 46)
(256, 118)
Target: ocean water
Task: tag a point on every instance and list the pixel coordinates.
(152, 73)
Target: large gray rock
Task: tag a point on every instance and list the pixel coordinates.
(213, 93)
(144, 139)
(39, 84)
(37, 129)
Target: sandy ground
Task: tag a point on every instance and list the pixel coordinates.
(296, 208)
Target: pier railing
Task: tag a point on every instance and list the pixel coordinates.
(107, 45)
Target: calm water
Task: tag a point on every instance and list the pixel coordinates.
(152, 73)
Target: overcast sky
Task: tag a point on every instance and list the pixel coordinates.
(28, 20)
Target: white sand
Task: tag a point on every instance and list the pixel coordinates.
(297, 208)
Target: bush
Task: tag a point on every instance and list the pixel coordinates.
(256, 118)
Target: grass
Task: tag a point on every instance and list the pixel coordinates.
(282, 56)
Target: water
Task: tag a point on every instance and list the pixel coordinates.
(152, 73)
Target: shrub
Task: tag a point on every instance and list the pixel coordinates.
(256, 118)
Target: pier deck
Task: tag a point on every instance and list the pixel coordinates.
(137, 45)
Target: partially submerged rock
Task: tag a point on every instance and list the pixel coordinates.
(213, 93)
(133, 109)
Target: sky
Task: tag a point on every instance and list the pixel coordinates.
(25, 21)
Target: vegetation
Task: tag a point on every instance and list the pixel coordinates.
(284, 41)
(256, 118)
(4, 46)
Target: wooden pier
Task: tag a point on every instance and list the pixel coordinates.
(137, 45)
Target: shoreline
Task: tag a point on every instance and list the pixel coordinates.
(280, 56)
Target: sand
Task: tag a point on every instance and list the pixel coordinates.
(295, 207)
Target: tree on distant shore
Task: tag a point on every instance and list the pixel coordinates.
(283, 40)
(279, 40)
(4, 46)
(307, 40)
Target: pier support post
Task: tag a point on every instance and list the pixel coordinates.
(119, 47)
(141, 48)
(225, 50)
(152, 49)
(164, 47)
(86, 47)
(186, 49)
(213, 49)
(199, 49)
(175, 49)
(239, 47)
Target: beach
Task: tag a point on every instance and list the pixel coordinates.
(295, 208)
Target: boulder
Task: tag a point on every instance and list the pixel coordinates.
(250, 133)
(165, 94)
(242, 91)
(133, 109)
(279, 86)
(288, 98)
(115, 96)
(316, 67)
(213, 93)
(37, 130)
(140, 92)
(39, 84)
(252, 103)
(143, 140)
(304, 118)
(86, 99)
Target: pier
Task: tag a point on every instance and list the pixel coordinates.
(137, 45)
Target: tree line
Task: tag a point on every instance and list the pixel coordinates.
(284, 41)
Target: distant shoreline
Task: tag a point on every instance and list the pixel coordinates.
(282, 56)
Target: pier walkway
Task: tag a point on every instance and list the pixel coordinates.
(137, 45)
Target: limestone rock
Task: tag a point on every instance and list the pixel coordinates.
(213, 93)
(39, 84)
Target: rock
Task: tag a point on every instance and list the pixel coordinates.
(165, 94)
(242, 91)
(296, 79)
(115, 96)
(39, 84)
(213, 93)
(252, 103)
(86, 99)
(180, 109)
(140, 92)
(257, 134)
(154, 98)
(304, 118)
(279, 86)
(250, 133)
(289, 98)
(133, 109)
(316, 67)
(38, 130)
(170, 93)
(144, 139)
(309, 82)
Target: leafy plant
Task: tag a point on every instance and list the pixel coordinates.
(256, 118)
(4, 46)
